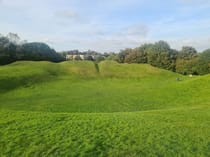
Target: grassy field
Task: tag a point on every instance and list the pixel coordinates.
(109, 109)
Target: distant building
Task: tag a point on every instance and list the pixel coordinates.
(69, 57)
(80, 57)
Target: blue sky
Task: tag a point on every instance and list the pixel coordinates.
(108, 25)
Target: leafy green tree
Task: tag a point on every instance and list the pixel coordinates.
(14, 38)
(161, 55)
(142, 53)
(39, 51)
(7, 51)
(187, 52)
(187, 67)
(187, 60)
(122, 55)
(112, 57)
(12, 49)
(137, 55)
(99, 58)
(131, 57)
(203, 63)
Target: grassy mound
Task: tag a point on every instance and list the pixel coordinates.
(106, 109)
(79, 87)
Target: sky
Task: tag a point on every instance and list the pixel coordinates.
(108, 25)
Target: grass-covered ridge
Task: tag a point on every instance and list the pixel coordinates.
(109, 109)
(79, 87)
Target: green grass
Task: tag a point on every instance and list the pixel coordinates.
(80, 109)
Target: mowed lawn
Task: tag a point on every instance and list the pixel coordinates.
(106, 109)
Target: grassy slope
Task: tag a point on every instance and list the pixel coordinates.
(176, 123)
(77, 87)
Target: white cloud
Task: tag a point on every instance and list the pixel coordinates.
(108, 25)
(69, 17)
(140, 30)
(98, 38)
(69, 14)
(19, 3)
(200, 44)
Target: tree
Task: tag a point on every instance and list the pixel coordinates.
(187, 67)
(142, 53)
(203, 63)
(187, 61)
(131, 57)
(112, 56)
(187, 52)
(161, 55)
(137, 55)
(99, 58)
(38, 51)
(7, 51)
(11, 50)
(122, 55)
(14, 38)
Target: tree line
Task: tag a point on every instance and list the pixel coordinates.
(186, 61)
(13, 49)
(160, 54)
